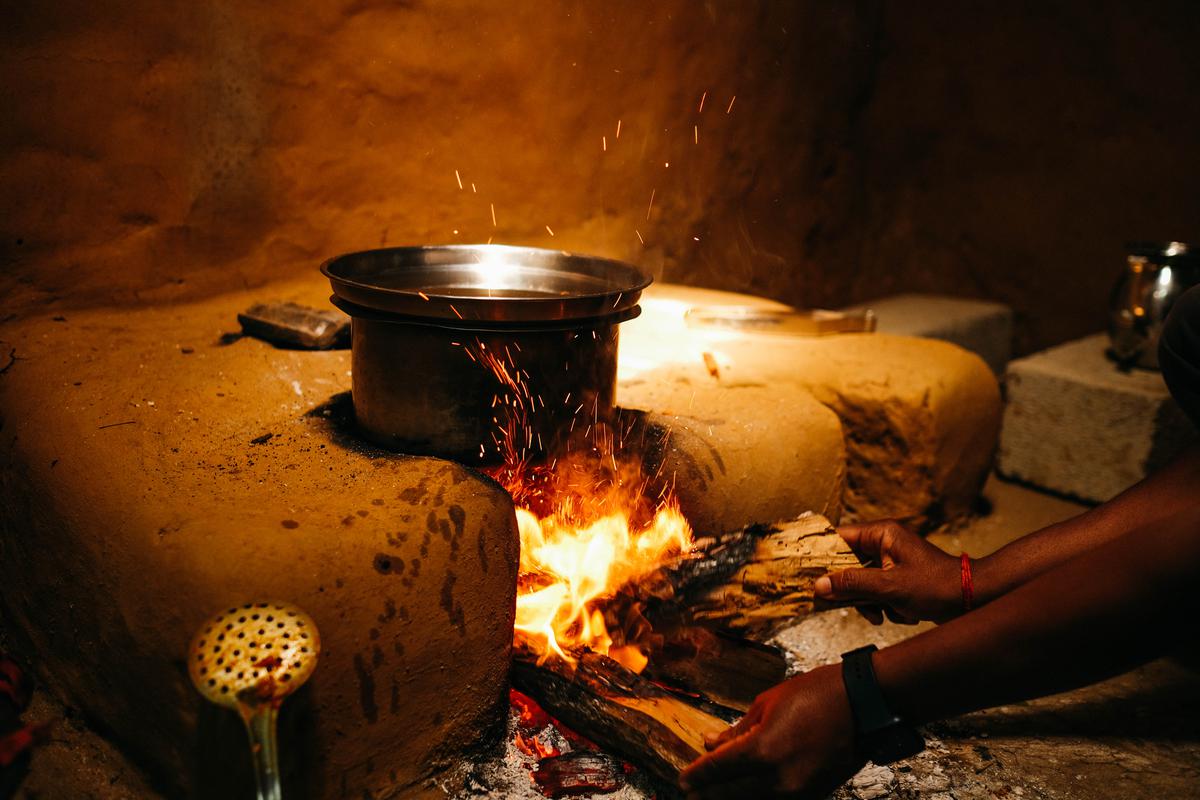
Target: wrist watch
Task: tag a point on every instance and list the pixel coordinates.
(882, 736)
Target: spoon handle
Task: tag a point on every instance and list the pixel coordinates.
(260, 726)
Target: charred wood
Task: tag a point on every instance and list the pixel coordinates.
(627, 714)
(579, 772)
(727, 669)
(751, 582)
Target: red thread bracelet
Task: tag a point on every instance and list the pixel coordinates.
(968, 584)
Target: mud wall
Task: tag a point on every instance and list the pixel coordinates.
(153, 152)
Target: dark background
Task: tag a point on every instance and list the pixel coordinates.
(154, 152)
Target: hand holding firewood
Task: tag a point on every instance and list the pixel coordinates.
(1065, 606)
(907, 580)
(797, 740)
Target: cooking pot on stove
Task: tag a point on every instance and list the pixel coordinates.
(482, 352)
(1155, 275)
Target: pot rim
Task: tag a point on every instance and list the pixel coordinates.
(486, 326)
(489, 283)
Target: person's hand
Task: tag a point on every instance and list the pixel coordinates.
(796, 741)
(913, 581)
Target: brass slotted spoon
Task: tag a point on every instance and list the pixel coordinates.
(249, 658)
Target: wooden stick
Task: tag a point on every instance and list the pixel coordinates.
(752, 582)
(727, 669)
(623, 712)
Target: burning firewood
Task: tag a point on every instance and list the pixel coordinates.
(726, 669)
(751, 582)
(579, 772)
(623, 712)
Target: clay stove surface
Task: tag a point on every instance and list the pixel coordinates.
(154, 470)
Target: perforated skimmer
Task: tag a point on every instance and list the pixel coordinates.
(249, 658)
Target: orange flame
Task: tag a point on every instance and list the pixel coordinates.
(587, 528)
(584, 566)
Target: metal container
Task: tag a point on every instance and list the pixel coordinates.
(482, 352)
(781, 322)
(1155, 275)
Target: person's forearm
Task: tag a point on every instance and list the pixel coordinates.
(1097, 615)
(1161, 496)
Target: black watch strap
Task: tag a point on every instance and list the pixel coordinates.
(883, 736)
(870, 710)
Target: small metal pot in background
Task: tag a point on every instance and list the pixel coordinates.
(464, 351)
(1155, 275)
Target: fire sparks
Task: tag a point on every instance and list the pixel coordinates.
(590, 530)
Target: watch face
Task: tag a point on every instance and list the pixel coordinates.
(893, 743)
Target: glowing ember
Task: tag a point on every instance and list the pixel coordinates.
(588, 528)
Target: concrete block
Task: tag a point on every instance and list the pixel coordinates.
(981, 327)
(1076, 424)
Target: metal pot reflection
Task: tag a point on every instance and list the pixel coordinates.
(1155, 275)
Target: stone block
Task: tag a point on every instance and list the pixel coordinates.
(1076, 424)
(984, 328)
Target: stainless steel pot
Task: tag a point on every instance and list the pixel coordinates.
(1155, 275)
(469, 351)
